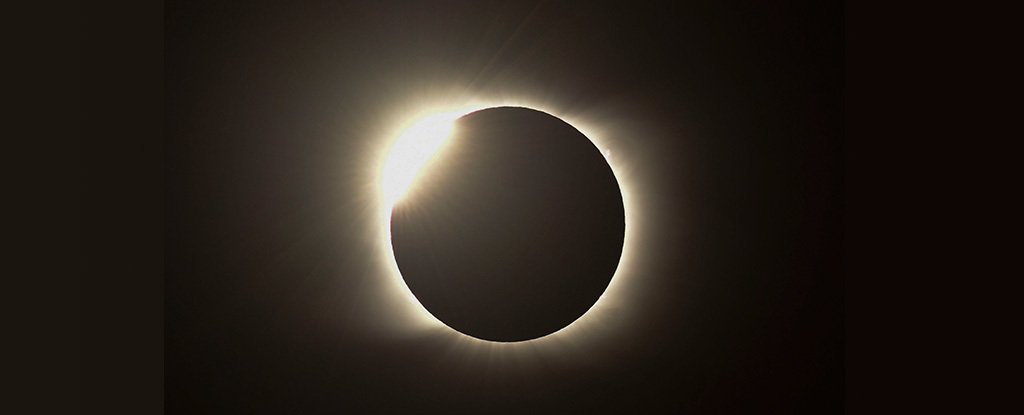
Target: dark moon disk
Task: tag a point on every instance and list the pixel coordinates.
(514, 230)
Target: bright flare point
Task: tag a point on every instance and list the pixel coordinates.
(414, 148)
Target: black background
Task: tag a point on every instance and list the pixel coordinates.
(732, 112)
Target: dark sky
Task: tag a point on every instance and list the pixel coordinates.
(725, 115)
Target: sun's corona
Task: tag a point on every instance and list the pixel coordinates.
(413, 146)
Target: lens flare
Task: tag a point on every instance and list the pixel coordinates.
(414, 148)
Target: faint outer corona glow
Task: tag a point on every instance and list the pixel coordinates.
(411, 148)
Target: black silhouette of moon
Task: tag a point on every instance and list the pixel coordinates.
(515, 229)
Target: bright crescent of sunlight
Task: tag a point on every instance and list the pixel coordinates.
(414, 148)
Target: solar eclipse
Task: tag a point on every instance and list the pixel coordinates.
(512, 228)
(315, 150)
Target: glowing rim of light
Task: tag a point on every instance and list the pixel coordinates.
(439, 119)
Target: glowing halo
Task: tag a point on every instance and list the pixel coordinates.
(411, 147)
